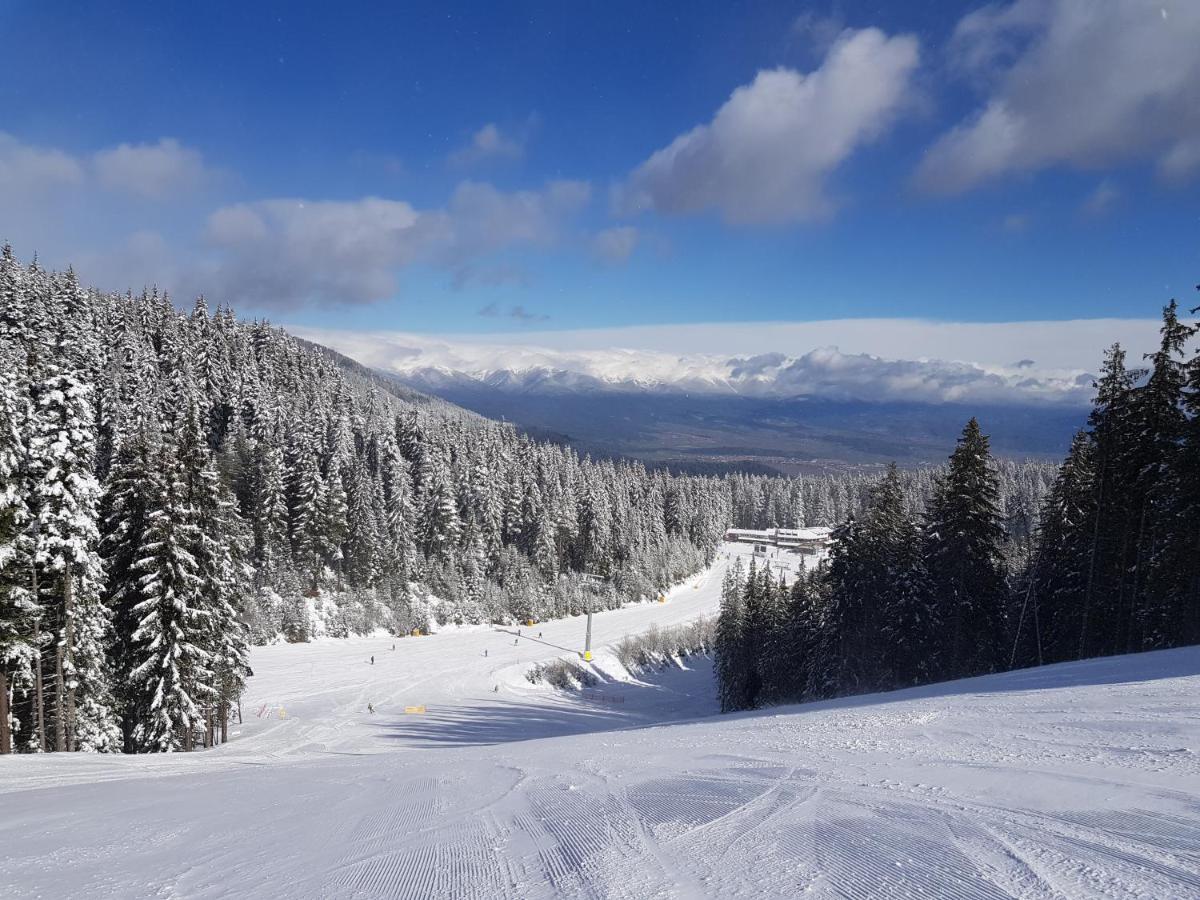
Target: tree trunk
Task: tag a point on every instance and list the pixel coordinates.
(60, 701)
(1091, 577)
(69, 654)
(224, 721)
(5, 729)
(39, 694)
(1133, 641)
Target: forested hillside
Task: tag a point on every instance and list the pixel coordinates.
(764, 501)
(174, 487)
(925, 591)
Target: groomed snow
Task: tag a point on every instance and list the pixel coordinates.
(1078, 780)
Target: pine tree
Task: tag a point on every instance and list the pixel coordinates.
(1059, 579)
(134, 482)
(18, 654)
(220, 541)
(1112, 425)
(729, 653)
(172, 675)
(66, 555)
(1160, 423)
(963, 554)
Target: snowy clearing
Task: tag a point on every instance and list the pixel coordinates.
(1078, 780)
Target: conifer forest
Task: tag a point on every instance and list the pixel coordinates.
(175, 488)
(980, 567)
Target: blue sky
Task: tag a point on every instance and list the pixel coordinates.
(498, 167)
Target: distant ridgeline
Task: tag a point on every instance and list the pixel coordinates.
(953, 575)
(174, 487)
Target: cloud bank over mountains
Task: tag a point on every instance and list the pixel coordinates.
(565, 362)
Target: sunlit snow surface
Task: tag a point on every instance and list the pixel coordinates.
(1080, 780)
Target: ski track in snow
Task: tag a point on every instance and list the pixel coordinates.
(1081, 780)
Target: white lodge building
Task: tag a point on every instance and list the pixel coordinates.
(804, 541)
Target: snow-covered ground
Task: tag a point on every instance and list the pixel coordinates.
(1080, 780)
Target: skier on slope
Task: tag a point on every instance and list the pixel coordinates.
(372, 660)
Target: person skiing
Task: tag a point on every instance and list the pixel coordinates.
(485, 651)
(496, 689)
(371, 708)
(372, 660)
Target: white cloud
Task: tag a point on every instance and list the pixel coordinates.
(767, 153)
(289, 252)
(1067, 344)
(278, 252)
(142, 259)
(27, 169)
(1074, 82)
(156, 171)
(878, 359)
(488, 143)
(615, 245)
(483, 218)
(284, 252)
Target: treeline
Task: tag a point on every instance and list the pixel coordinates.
(763, 501)
(906, 599)
(176, 487)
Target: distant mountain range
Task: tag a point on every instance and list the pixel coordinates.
(755, 416)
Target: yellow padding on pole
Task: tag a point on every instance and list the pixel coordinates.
(415, 709)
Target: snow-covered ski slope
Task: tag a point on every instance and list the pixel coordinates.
(1079, 780)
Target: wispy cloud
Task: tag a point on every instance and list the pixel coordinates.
(518, 312)
(489, 143)
(1102, 198)
(1015, 223)
(615, 245)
